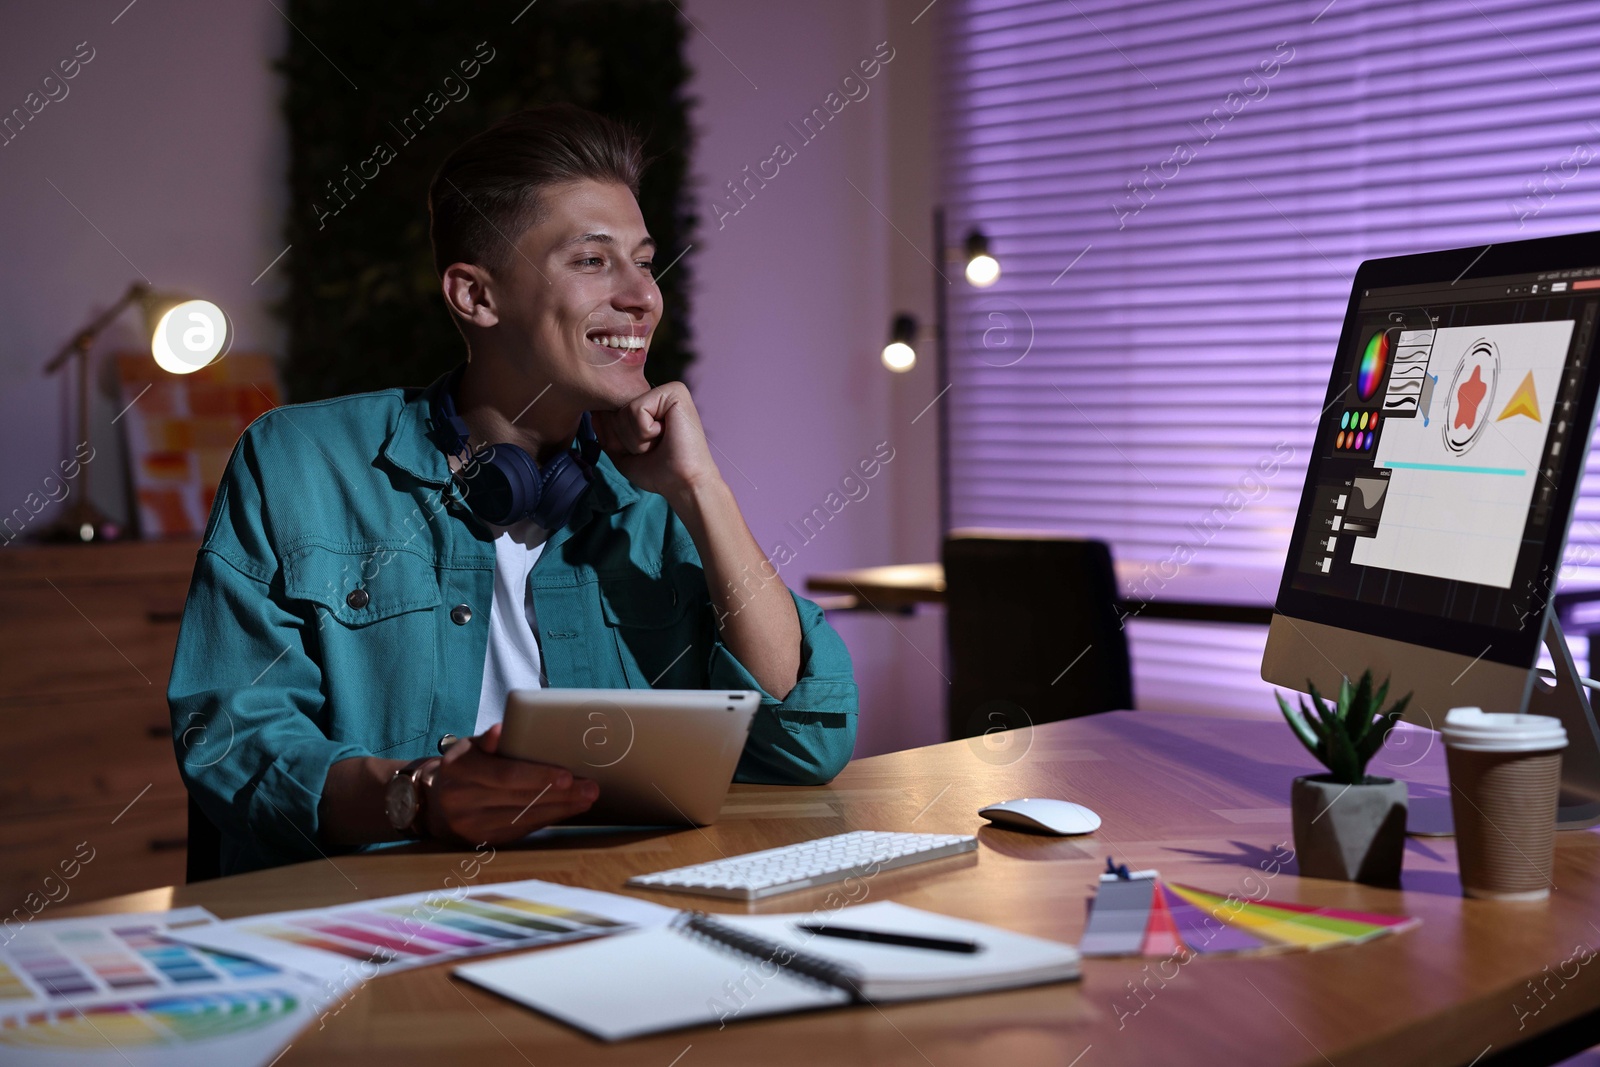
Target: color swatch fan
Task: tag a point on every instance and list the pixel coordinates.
(1143, 916)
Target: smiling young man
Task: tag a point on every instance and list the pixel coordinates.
(369, 590)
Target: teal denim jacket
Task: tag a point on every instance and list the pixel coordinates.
(340, 607)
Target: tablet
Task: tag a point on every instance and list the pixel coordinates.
(662, 757)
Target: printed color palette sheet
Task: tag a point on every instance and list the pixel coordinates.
(84, 961)
(416, 929)
(115, 989)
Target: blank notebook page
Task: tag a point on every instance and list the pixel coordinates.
(892, 972)
(650, 980)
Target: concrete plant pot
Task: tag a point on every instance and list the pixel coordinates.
(1353, 833)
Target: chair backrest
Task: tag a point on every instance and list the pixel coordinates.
(1033, 630)
(204, 860)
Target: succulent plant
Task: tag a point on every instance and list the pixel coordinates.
(1346, 735)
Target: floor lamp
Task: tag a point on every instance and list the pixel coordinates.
(981, 270)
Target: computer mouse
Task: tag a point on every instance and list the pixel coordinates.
(1042, 815)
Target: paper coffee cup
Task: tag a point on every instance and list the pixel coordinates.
(1505, 784)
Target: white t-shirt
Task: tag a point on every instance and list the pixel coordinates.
(512, 660)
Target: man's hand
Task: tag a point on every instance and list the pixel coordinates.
(477, 796)
(658, 444)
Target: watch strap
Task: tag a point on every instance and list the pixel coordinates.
(414, 771)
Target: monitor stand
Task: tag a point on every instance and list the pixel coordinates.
(1562, 696)
(1566, 699)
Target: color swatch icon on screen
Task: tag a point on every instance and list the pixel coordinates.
(1357, 431)
(1525, 401)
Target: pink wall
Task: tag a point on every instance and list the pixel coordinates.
(166, 157)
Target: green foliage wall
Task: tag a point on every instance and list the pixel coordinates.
(363, 306)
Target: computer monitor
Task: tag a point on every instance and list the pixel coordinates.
(1441, 482)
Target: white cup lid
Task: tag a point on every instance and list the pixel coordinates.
(1476, 730)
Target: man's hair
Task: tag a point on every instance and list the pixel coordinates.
(488, 192)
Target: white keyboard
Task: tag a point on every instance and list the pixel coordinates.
(810, 863)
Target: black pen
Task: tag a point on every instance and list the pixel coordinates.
(905, 940)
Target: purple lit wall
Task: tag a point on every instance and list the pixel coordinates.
(1179, 197)
(796, 281)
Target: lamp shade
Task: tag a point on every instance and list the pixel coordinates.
(185, 333)
(899, 355)
(983, 270)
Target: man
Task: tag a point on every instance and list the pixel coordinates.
(367, 592)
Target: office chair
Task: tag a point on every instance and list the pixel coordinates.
(204, 861)
(1033, 630)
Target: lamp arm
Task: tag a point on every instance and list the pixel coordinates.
(85, 337)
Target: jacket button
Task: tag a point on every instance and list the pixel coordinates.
(461, 614)
(358, 599)
(446, 741)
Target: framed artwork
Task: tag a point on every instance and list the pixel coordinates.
(180, 430)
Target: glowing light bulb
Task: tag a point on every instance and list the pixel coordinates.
(899, 356)
(189, 336)
(983, 271)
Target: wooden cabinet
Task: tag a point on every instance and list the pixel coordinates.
(91, 787)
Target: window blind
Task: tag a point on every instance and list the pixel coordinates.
(1179, 193)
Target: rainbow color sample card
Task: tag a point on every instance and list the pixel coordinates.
(353, 942)
(1153, 918)
(1280, 926)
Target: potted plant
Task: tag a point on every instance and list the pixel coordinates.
(1347, 825)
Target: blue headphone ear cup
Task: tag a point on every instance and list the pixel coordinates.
(483, 486)
(564, 482)
(522, 474)
(503, 484)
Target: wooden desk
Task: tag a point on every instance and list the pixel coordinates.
(1201, 799)
(1198, 592)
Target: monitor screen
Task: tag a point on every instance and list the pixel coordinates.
(1449, 450)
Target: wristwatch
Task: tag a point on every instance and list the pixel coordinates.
(403, 798)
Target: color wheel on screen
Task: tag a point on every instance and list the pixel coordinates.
(1374, 361)
(149, 1021)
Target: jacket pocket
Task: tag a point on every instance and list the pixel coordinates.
(375, 612)
(656, 624)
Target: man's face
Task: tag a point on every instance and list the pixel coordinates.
(578, 300)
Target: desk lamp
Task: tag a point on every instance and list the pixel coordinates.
(185, 334)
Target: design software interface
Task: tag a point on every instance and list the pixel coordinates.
(1437, 466)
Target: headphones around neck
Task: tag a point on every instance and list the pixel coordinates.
(501, 484)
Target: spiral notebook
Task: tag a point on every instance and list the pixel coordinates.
(716, 969)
